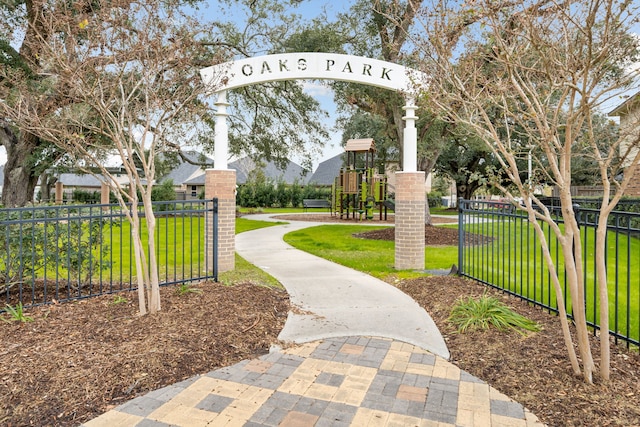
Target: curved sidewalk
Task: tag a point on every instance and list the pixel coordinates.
(370, 356)
(333, 300)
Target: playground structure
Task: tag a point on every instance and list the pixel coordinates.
(359, 189)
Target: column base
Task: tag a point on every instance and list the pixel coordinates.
(410, 205)
(222, 184)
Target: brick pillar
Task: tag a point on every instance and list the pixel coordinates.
(222, 184)
(410, 200)
(59, 193)
(633, 189)
(104, 194)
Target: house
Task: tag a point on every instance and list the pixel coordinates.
(328, 170)
(187, 177)
(629, 114)
(290, 174)
(193, 187)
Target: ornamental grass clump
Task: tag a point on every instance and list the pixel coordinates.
(487, 311)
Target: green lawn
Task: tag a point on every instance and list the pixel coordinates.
(270, 210)
(375, 257)
(179, 248)
(443, 211)
(513, 261)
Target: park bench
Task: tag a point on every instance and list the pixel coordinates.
(315, 203)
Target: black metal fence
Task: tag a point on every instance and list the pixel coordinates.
(61, 253)
(624, 205)
(499, 247)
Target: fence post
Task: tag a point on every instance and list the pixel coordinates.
(460, 236)
(215, 239)
(105, 192)
(576, 213)
(59, 193)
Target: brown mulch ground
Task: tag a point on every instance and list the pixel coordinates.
(80, 359)
(433, 236)
(533, 370)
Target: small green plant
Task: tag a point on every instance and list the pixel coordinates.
(186, 288)
(119, 299)
(487, 311)
(16, 314)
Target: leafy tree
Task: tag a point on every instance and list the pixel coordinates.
(295, 193)
(98, 78)
(552, 66)
(466, 163)
(271, 121)
(164, 192)
(33, 27)
(282, 195)
(366, 125)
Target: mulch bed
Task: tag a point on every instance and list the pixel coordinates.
(80, 359)
(433, 236)
(534, 369)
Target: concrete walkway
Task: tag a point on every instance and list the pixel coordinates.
(369, 356)
(334, 300)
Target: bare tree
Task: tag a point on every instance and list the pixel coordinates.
(547, 67)
(124, 82)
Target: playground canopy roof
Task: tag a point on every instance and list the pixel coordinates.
(366, 144)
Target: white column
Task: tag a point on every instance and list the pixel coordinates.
(221, 136)
(410, 136)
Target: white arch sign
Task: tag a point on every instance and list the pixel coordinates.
(310, 66)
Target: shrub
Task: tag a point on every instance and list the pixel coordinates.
(435, 199)
(486, 311)
(163, 192)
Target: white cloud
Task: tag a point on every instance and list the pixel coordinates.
(314, 88)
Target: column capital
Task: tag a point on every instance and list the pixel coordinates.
(410, 138)
(221, 135)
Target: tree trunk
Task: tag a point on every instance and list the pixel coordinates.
(603, 295)
(154, 296)
(465, 190)
(46, 182)
(19, 178)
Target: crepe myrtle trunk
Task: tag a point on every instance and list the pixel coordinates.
(20, 179)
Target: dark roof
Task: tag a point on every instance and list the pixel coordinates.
(187, 171)
(289, 175)
(626, 106)
(328, 170)
(196, 180)
(79, 180)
